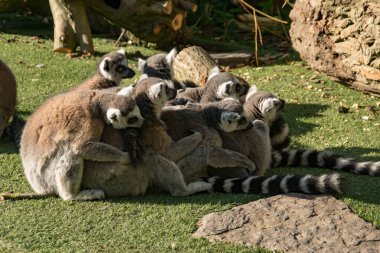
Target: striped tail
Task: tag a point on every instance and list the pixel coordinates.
(309, 184)
(324, 159)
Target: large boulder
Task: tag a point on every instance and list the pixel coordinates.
(340, 38)
(292, 223)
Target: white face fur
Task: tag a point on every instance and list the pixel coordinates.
(231, 121)
(228, 89)
(269, 107)
(158, 93)
(115, 71)
(119, 121)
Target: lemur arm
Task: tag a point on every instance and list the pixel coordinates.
(102, 152)
(181, 148)
(224, 158)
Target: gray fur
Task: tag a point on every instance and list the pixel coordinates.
(158, 170)
(64, 132)
(266, 106)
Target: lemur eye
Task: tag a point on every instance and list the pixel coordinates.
(132, 120)
(120, 68)
(238, 87)
(167, 90)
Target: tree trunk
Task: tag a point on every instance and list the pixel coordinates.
(340, 38)
(160, 22)
(193, 63)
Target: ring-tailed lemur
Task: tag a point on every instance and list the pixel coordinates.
(209, 158)
(157, 170)
(266, 106)
(64, 132)
(161, 66)
(219, 85)
(111, 70)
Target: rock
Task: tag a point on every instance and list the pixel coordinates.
(340, 38)
(293, 223)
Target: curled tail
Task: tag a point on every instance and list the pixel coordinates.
(323, 184)
(324, 159)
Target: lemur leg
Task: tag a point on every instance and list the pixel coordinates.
(102, 152)
(69, 179)
(168, 177)
(181, 148)
(222, 158)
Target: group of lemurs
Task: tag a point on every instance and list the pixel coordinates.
(101, 139)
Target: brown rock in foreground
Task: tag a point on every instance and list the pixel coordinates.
(340, 38)
(292, 223)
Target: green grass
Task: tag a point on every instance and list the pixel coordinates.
(158, 222)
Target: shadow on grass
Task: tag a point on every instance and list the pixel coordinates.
(293, 112)
(359, 153)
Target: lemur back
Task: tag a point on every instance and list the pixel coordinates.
(8, 96)
(266, 106)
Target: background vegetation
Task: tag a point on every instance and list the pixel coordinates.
(158, 222)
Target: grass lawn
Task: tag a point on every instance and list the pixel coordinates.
(159, 222)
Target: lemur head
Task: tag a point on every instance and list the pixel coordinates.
(228, 114)
(158, 65)
(262, 105)
(114, 66)
(124, 113)
(151, 91)
(226, 85)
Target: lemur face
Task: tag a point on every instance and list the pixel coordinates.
(161, 92)
(226, 84)
(124, 113)
(232, 121)
(114, 66)
(159, 65)
(268, 104)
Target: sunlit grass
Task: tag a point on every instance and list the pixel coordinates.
(161, 223)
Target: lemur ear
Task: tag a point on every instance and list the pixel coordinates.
(121, 51)
(170, 56)
(141, 65)
(127, 91)
(213, 72)
(252, 90)
(143, 76)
